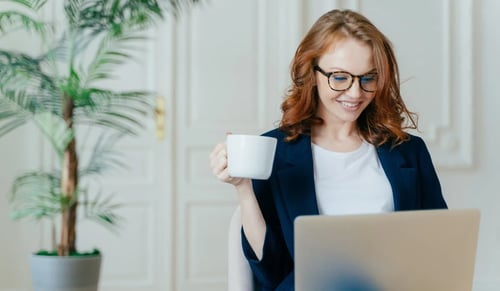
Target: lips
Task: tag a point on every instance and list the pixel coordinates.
(350, 106)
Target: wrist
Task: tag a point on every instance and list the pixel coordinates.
(244, 185)
(244, 189)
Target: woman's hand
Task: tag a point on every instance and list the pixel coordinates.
(253, 222)
(218, 164)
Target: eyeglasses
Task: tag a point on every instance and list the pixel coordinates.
(342, 81)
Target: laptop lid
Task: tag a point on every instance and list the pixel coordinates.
(432, 250)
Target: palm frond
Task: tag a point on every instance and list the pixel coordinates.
(72, 11)
(71, 86)
(55, 130)
(18, 70)
(142, 14)
(36, 195)
(56, 52)
(15, 20)
(118, 16)
(113, 50)
(101, 210)
(121, 111)
(31, 4)
(18, 108)
(103, 157)
(10, 125)
(15, 110)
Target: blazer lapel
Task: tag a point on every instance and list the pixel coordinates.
(296, 179)
(402, 177)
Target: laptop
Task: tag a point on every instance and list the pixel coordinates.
(426, 250)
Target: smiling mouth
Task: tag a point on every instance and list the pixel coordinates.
(350, 105)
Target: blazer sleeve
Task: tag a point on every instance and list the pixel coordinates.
(429, 185)
(276, 262)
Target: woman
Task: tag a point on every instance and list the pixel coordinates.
(342, 146)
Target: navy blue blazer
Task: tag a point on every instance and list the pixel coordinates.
(290, 192)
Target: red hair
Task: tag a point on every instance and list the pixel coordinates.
(385, 119)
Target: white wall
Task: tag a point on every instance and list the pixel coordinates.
(478, 185)
(454, 41)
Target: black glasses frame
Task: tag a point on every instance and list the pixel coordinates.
(353, 77)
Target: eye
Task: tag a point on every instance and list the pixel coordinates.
(368, 78)
(340, 77)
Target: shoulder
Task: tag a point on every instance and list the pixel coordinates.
(414, 142)
(300, 146)
(277, 133)
(413, 149)
(411, 144)
(281, 136)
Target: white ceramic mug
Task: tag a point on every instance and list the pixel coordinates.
(250, 156)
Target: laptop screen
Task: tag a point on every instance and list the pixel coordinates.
(411, 251)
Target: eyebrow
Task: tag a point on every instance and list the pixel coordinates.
(337, 69)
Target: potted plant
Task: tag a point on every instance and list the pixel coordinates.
(62, 90)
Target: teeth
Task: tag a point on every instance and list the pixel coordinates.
(347, 104)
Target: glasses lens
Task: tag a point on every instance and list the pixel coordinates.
(340, 81)
(368, 82)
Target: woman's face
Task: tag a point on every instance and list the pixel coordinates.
(354, 57)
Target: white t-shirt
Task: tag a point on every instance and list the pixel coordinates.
(351, 182)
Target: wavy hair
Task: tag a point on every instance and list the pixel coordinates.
(385, 119)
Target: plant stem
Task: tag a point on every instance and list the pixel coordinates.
(69, 181)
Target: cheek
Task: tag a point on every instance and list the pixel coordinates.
(370, 98)
(325, 92)
(369, 101)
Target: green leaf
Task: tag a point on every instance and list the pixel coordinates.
(103, 156)
(120, 111)
(31, 4)
(102, 210)
(10, 125)
(115, 16)
(14, 111)
(14, 20)
(56, 130)
(36, 195)
(21, 74)
(112, 51)
(71, 86)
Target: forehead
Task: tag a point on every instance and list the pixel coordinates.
(350, 55)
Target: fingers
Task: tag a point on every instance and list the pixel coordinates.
(217, 149)
(218, 162)
(223, 176)
(218, 157)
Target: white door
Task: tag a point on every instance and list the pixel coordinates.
(232, 58)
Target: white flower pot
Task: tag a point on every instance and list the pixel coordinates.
(73, 273)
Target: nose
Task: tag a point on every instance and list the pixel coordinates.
(355, 90)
